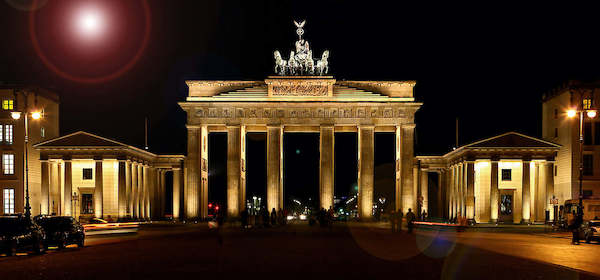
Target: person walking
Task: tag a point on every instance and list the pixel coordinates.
(393, 220)
(244, 217)
(273, 217)
(265, 217)
(410, 219)
(424, 215)
(399, 217)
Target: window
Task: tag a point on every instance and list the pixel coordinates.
(8, 164)
(43, 132)
(587, 103)
(8, 104)
(556, 132)
(8, 133)
(506, 174)
(87, 174)
(9, 201)
(1, 134)
(87, 204)
(588, 165)
(597, 133)
(587, 139)
(587, 193)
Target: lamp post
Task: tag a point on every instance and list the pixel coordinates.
(591, 113)
(16, 115)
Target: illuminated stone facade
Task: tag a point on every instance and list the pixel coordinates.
(508, 178)
(86, 176)
(297, 104)
(34, 99)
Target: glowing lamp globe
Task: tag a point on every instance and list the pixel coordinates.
(15, 115)
(89, 23)
(36, 115)
(591, 114)
(571, 113)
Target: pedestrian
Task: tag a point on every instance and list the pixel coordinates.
(265, 217)
(330, 217)
(273, 217)
(280, 217)
(572, 224)
(399, 217)
(244, 217)
(410, 219)
(424, 215)
(393, 220)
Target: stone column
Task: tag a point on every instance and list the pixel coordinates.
(549, 187)
(202, 195)
(146, 192)
(45, 188)
(176, 193)
(192, 164)
(526, 192)
(398, 189)
(366, 150)
(134, 190)
(451, 181)
(424, 191)
(327, 142)
(274, 148)
(440, 194)
(408, 194)
(537, 207)
(242, 191)
(140, 191)
(494, 193)
(68, 193)
(470, 191)
(233, 170)
(99, 189)
(122, 189)
(161, 193)
(128, 188)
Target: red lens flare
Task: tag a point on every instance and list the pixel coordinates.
(90, 41)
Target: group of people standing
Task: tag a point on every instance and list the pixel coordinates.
(264, 218)
(396, 220)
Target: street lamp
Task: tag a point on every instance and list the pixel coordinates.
(591, 113)
(36, 115)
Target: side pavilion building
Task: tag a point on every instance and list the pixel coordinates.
(507, 178)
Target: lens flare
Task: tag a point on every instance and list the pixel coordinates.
(90, 23)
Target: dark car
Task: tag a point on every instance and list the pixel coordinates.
(590, 231)
(20, 234)
(61, 231)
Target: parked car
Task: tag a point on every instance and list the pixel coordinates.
(61, 231)
(591, 231)
(18, 233)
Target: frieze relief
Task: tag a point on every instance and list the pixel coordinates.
(323, 112)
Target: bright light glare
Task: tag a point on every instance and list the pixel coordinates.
(36, 115)
(15, 115)
(90, 23)
(571, 113)
(591, 114)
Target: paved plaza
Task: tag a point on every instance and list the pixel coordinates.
(300, 251)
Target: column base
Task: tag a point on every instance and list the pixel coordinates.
(493, 221)
(525, 222)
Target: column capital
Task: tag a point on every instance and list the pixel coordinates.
(192, 127)
(408, 126)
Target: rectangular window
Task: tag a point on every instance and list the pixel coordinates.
(587, 103)
(8, 104)
(8, 164)
(1, 133)
(87, 204)
(587, 139)
(9, 201)
(87, 174)
(588, 165)
(587, 193)
(556, 132)
(506, 174)
(597, 133)
(8, 133)
(43, 132)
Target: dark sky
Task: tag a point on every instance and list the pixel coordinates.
(487, 64)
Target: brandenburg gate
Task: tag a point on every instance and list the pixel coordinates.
(301, 98)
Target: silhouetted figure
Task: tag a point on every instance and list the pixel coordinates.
(330, 217)
(280, 217)
(393, 220)
(273, 217)
(424, 215)
(321, 217)
(244, 217)
(410, 219)
(399, 216)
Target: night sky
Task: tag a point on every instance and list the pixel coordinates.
(487, 65)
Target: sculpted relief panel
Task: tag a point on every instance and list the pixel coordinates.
(303, 113)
